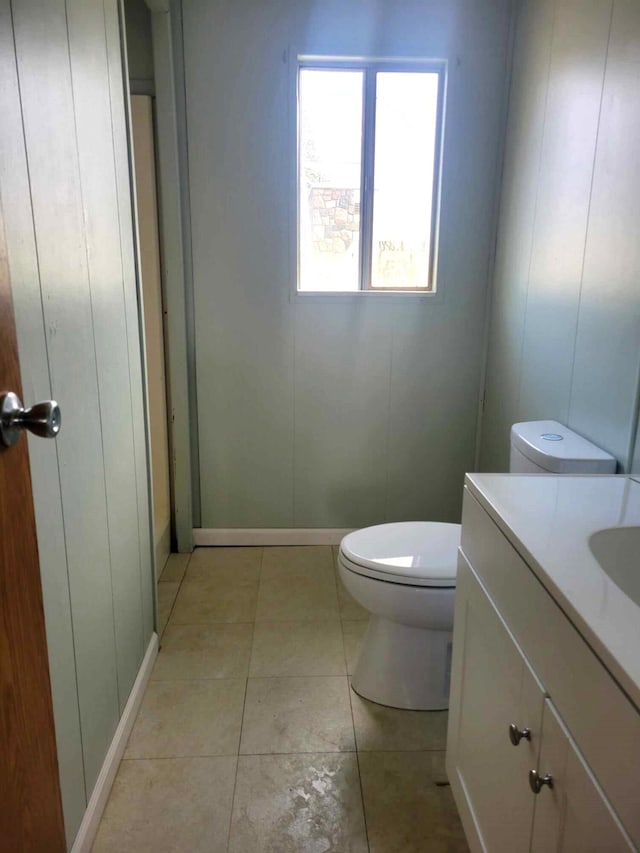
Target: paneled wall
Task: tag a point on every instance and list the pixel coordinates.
(332, 412)
(66, 195)
(565, 328)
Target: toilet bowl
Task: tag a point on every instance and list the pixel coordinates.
(404, 574)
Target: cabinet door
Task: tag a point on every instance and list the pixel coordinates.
(573, 816)
(492, 687)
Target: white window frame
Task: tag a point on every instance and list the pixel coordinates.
(369, 66)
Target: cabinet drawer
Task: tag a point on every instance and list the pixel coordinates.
(602, 720)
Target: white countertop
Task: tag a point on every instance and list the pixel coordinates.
(549, 519)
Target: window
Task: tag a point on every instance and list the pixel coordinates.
(368, 174)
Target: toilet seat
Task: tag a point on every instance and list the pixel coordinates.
(412, 553)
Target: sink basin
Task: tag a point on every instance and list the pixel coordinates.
(617, 549)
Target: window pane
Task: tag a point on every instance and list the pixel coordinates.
(405, 146)
(330, 147)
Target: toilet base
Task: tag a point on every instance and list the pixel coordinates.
(404, 667)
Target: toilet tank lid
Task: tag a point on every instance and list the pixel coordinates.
(560, 450)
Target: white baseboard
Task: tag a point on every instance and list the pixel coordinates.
(92, 816)
(269, 536)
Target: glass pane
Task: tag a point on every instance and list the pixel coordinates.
(330, 147)
(405, 147)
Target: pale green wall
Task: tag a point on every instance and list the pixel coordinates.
(65, 187)
(565, 328)
(332, 413)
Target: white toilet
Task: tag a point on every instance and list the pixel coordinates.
(404, 574)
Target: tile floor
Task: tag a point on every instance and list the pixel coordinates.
(249, 738)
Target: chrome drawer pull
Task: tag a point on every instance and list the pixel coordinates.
(536, 781)
(516, 734)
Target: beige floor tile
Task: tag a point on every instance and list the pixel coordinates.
(297, 598)
(296, 561)
(297, 715)
(349, 607)
(225, 562)
(294, 803)
(406, 811)
(175, 567)
(166, 596)
(353, 633)
(217, 599)
(297, 648)
(204, 651)
(182, 718)
(169, 805)
(392, 729)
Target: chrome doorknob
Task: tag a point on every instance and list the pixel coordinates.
(516, 734)
(536, 781)
(42, 419)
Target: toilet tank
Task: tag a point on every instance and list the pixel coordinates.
(547, 447)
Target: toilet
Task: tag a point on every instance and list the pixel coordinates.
(404, 574)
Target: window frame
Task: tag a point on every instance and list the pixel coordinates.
(369, 66)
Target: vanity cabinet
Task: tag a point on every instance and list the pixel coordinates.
(497, 689)
(574, 815)
(528, 694)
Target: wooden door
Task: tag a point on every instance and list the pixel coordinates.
(30, 802)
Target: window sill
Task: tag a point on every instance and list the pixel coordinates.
(361, 295)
